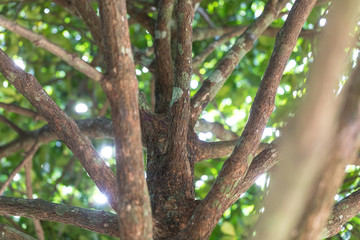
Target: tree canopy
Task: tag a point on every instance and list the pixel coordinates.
(179, 119)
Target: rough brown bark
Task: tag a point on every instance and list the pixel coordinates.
(221, 195)
(121, 89)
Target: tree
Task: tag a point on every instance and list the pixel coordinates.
(199, 99)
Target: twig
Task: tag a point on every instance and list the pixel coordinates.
(28, 157)
(12, 125)
(22, 111)
(29, 192)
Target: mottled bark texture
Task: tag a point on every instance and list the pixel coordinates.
(121, 88)
(169, 209)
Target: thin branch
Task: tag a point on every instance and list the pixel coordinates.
(44, 43)
(92, 21)
(212, 32)
(28, 157)
(221, 195)
(8, 232)
(62, 125)
(92, 128)
(141, 17)
(213, 150)
(29, 192)
(215, 128)
(200, 58)
(164, 65)
(93, 220)
(22, 111)
(205, 16)
(12, 125)
(121, 88)
(227, 64)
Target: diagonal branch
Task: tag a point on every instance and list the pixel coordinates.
(28, 157)
(227, 64)
(342, 212)
(19, 131)
(343, 152)
(221, 195)
(42, 42)
(64, 127)
(121, 88)
(314, 142)
(93, 220)
(8, 232)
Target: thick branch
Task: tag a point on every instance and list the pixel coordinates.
(62, 125)
(93, 220)
(342, 212)
(179, 106)
(121, 88)
(42, 42)
(310, 139)
(343, 152)
(221, 195)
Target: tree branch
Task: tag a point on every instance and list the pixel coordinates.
(29, 193)
(216, 128)
(343, 151)
(8, 232)
(311, 142)
(121, 88)
(42, 42)
(22, 111)
(342, 212)
(64, 127)
(243, 44)
(93, 220)
(221, 195)
(19, 131)
(29, 157)
(92, 128)
(164, 65)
